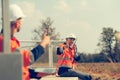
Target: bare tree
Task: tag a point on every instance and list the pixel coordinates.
(46, 24)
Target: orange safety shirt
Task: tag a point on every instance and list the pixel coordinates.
(67, 57)
(14, 43)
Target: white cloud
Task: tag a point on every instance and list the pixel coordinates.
(32, 20)
(84, 25)
(31, 11)
(62, 6)
(83, 5)
(29, 8)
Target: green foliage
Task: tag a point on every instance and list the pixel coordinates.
(92, 58)
(106, 39)
(110, 49)
(106, 42)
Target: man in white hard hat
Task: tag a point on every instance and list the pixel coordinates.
(16, 17)
(67, 59)
(71, 35)
(70, 40)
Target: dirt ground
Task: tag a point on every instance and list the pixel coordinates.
(99, 71)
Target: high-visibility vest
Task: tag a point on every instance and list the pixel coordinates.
(67, 57)
(14, 43)
(26, 63)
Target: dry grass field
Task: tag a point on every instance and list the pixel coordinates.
(99, 71)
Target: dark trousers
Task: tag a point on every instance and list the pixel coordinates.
(33, 74)
(68, 72)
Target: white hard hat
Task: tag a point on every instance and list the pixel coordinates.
(71, 36)
(15, 12)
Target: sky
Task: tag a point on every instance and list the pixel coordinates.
(84, 18)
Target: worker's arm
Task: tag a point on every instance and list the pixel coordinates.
(61, 48)
(77, 58)
(59, 51)
(39, 50)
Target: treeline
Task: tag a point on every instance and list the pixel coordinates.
(101, 57)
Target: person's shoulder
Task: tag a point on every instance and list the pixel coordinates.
(1, 37)
(14, 38)
(61, 44)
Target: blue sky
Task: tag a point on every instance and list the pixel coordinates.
(84, 18)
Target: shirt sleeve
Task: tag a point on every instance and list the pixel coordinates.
(77, 58)
(36, 52)
(59, 51)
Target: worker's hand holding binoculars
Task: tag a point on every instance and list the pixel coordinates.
(45, 39)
